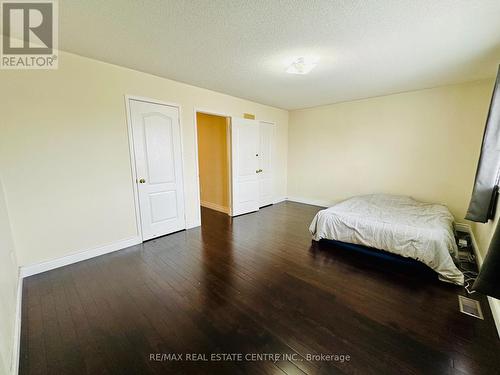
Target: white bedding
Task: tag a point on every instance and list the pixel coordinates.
(396, 224)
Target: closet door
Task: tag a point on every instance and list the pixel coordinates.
(266, 172)
(158, 162)
(245, 144)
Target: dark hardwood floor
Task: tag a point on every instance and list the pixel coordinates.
(252, 284)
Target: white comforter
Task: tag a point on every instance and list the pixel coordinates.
(397, 224)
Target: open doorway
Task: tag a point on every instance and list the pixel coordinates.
(214, 162)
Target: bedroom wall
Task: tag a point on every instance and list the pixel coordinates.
(8, 288)
(484, 233)
(423, 143)
(64, 152)
(213, 160)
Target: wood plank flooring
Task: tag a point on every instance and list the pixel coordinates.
(251, 285)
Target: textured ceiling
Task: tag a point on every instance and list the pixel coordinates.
(366, 48)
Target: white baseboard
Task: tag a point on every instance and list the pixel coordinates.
(193, 224)
(16, 348)
(30, 270)
(495, 311)
(215, 207)
(312, 202)
(494, 303)
(279, 200)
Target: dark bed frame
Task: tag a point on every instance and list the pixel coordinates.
(378, 254)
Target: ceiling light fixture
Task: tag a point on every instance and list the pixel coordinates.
(302, 65)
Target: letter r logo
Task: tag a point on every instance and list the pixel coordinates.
(28, 28)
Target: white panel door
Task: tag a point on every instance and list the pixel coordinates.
(157, 149)
(266, 173)
(245, 149)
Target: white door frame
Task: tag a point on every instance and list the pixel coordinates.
(196, 157)
(128, 98)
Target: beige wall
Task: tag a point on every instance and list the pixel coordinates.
(484, 232)
(8, 288)
(213, 160)
(422, 143)
(65, 159)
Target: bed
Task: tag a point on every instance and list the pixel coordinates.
(396, 224)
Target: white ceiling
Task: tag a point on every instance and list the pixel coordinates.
(366, 48)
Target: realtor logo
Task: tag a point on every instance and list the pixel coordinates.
(29, 35)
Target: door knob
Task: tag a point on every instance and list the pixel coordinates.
(142, 181)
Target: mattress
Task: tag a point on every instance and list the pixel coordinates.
(397, 224)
